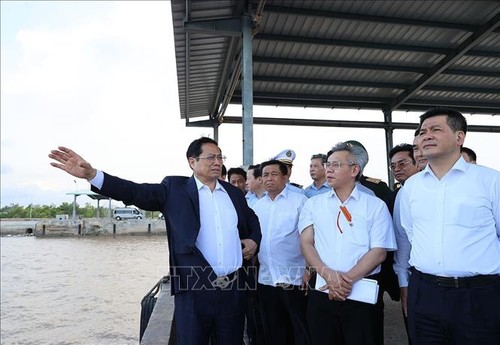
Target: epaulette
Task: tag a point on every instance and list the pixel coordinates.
(296, 185)
(373, 180)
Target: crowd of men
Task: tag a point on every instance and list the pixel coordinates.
(310, 265)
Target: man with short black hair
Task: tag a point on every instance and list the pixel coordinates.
(451, 214)
(317, 172)
(469, 155)
(238, 178)
(254, 185)
(281, 288)
(418, 155)
(403, 167)
(212, 234)
(402, 163)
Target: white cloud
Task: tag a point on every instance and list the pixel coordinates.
(105, 85)
(101, 86)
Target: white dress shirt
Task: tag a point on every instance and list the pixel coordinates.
(280, 258)
(371, 228)
(218, 239)
(402, 255)
(252, 198)
(453, 224)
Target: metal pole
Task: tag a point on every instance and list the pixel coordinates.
(247, 90)
(388, 144)
(74, 208)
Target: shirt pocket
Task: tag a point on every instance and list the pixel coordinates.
(286, 221)
(358, 234)
(472, 212)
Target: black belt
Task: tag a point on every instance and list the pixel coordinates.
(458, 282)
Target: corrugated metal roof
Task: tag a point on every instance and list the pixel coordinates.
(388, 55)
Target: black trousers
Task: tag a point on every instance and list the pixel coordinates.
(342, 323)
(284, 315)
(207, 311)
(449, 315)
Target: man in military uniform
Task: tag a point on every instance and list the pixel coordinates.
(287, 156)
(388, 280)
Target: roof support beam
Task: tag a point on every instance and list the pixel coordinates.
(353, 44)
(330, 63)
(372, 67)
(327, 82)
(224, 27)
(371, 84)
(449, 60)
(368, 18)
(346, 124)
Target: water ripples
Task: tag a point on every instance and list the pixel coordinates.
(77, 290)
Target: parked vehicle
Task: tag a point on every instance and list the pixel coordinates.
(120, 213)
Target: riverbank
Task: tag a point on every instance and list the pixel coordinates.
(81, 227)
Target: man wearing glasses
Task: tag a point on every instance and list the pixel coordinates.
(402, 163)
(403, 166)
(211, 234)
(345, 234)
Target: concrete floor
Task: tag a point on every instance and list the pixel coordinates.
(158, 334)
(394, 327)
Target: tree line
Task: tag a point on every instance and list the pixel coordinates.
(51, 211)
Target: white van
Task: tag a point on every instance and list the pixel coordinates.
(120, 213)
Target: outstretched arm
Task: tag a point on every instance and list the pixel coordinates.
(72, 163)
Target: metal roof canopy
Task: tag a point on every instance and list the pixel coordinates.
(385, 55)
(90, 194)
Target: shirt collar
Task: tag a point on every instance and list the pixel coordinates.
(460, 165)
(200, 185)
(354, 194)
(283, 193)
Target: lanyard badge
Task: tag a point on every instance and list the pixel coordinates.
(347, 216)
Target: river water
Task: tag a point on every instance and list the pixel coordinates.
(82, 290)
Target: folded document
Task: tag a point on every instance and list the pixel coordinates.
(365, 290)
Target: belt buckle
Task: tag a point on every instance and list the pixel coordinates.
(221, 282)
(283, 285)
(224, 281)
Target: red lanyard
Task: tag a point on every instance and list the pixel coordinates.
(347, 216)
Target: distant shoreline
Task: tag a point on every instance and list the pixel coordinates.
(81, 227)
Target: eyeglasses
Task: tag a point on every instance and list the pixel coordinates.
(212, 158)
(399, 165)
(336, 165)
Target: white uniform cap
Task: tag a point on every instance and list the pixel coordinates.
(286, 156)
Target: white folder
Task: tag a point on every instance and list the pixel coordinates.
(365, 290)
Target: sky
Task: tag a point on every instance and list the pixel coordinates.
(100, 78)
